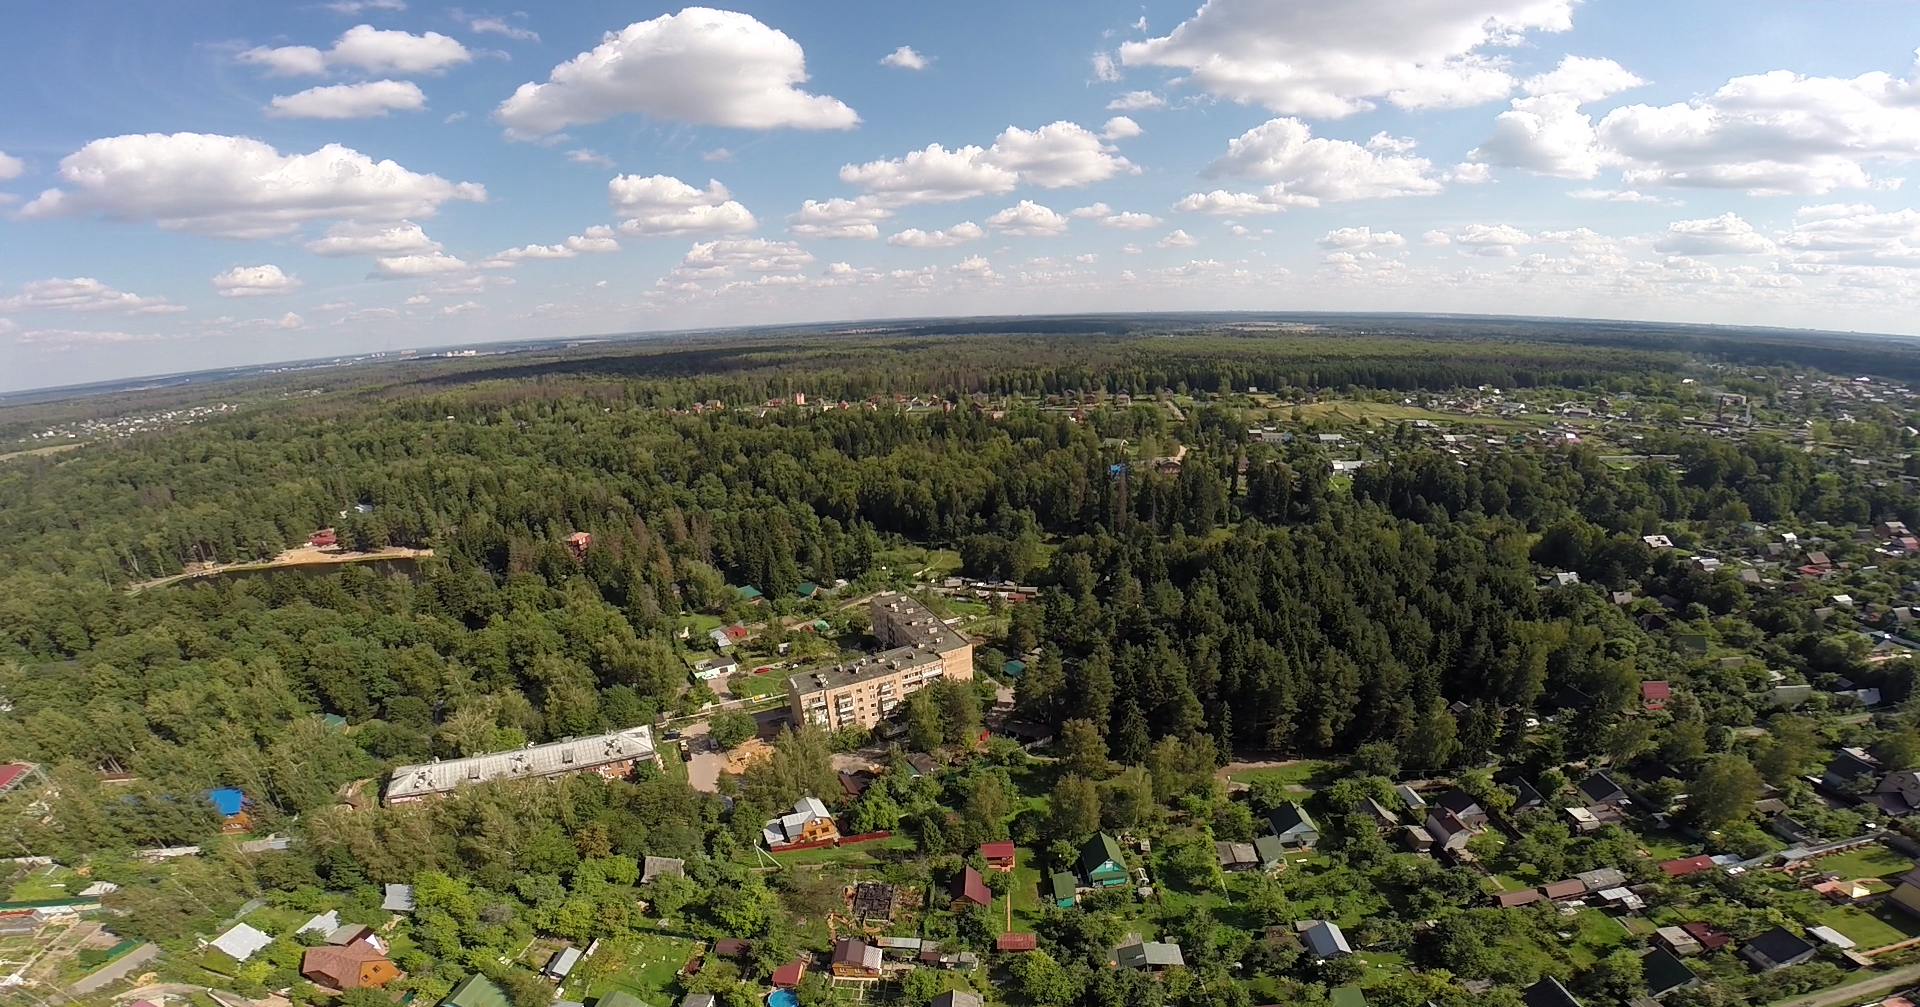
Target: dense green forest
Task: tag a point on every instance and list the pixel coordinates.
(1251, 601)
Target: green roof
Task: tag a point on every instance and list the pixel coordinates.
(1014, 668)
(1099, 850)
(620, 998)
(477, 990)
(749, 592)
(1347, 996)
(807, 590)
(1064, 888)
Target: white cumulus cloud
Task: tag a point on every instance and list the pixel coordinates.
(365, 48)
(237, 187)
(498, 25)
(1134, 101)
(354, 238)
(664, 206)
(1178, 239)
(11, 167)
(724, 258)
(1129, 220)
(906, 59)
(1285, 152)
(958, 234)
(1054, 156)
(255, 281)
(839, 218)
(400, 267)
(83, 293)
(1308, 57)
(1726, 234)
(349, 101)
(1360, 237)
(1121, 128)
(719, 68)
(1028, 219)
(1498, 240)
(1546, 132)
(1221, 203)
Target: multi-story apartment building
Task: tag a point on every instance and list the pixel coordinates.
(921, 649)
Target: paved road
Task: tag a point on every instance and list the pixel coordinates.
(1868, 988)
(115, 971)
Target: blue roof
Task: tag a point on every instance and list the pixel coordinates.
(1014, 668)
(228, 799)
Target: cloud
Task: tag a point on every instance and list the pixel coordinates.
(11, 167)
(1726, 234)
(255, 281)
(499, 26)
(1121, 128)
(722, 259)
(237, 187)
(958, 234)
(586, 155)
(719, 68)
(83, 293)
(720, 154)
(401, 267)
(661, 206)
(1221, 203)
(1286, 152)
(1095, 210)
(1054, 156)
(1178, 239)
(1616, 196)
(598, 239)
(1360, 237)
(365, 48)
(906, 59)
(1306, 57)
(1546, 133)
(1134, 101)
(349, 101)
(838, 218)
(354, 238)
(357, 6)
(975, 266)
(1131, 221)
(1497, 240)
(1855, 236)
(1028, 219)
(1104, 67)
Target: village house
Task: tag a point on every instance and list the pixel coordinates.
(853, 959)
(346, 966)
(1001, 856)
(1292, 826)
(1101, 863)
(809, 822)
(1775, 949)
(1149, 956)
(969, 889)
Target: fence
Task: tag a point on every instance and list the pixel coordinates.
(839, 841)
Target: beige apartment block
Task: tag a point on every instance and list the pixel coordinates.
(921, 649)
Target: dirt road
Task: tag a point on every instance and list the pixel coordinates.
(306, 555)
(1868, 989)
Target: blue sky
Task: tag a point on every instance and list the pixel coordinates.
(189, 185)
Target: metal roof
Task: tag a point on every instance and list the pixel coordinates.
(242, 942)
(551, 759)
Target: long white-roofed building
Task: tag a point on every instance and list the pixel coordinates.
(611, 755)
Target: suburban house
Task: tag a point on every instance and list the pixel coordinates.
(1292, 826)
(1324, 938)
(1776, 949)
(347, 966)
(732, 947)
(969, 889)
(854, 959)
(242, 942)
(1847, 768)
(1517, 897)
(476, 990)
(1461, 805)
(1549, 992)
(1101, 863)
(1416, 839)
(809, 822)
(1153, 956)
(1686, 865)
(1897, 793)
(1369, 808)
(1063, 889)
(1654, 695)
(1665, 972)
(1446, 830)
(1600, 791)
(1906, 892)
(611, 755)
(1711, 937)
(1001, 856)
(1677, 940)
(789, 974)
(1572, 888)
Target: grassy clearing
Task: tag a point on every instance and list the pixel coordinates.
(1875, 861)
(43, 883)
(871, 854)
(1662, 844)
(1300, 774)
(1871, 926)
(646, 966)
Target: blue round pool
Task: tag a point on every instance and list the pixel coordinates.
(783, 998)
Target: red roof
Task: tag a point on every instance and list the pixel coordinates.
(1656, 692)
(1709, 936)
(12, 771)
(1686, 865)
(1017, 942)
(971, 886)
(790, 973)
(1002, 850)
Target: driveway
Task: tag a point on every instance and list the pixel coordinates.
(704, 761)
(115, 971)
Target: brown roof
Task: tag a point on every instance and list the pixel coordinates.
(1524, 896)
(1686, 865)
(1564, 889)
(969, 885)
(338, 966)
(1017, 942)
(852, 952)
(732, 947)
(790, 973)
(1709, 936)
(1002, 850)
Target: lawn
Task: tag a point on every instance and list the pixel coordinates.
(1872, 926)
(1024, 889)
(645, 966)
(1873, 861)
(869, 854)
(1662, 844)
(44, 883)
(1596, 935)
(1296, 774)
